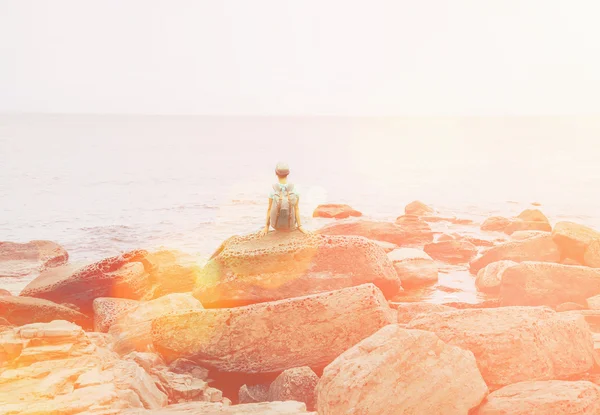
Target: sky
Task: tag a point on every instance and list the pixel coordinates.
(283, 57)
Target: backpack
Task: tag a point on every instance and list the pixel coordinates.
(283, 209)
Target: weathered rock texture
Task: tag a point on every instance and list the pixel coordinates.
(399, 371)
(248, 270)
(297, 384)
(20, 260)
(414, 267)
(573, 239)
(489, 278)
(453, 251)
(203, 408)
(270, 337)
(514, 344)
(552, 397)
(408, 230)
(539, 248)
(26, 310)
(543, 283)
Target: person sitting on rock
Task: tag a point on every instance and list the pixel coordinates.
(283, 213)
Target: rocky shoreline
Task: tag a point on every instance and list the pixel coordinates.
(332, 322)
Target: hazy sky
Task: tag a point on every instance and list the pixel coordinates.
(366, 57)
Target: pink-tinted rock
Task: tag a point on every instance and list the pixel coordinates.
(520, 235)
(27, 310)
(553, 397)
(514, 344)
(543, 283)
(399, 371)
(248, 270)
(591, 257)
(409, 311)
(406, 231)
(495, 223)
(539, 248)
(4, 292)
(522, 225)
(533, 215)
(569, 307)
(418, 208)
(452, 252)
(414, 267)
(336, 211)
(274, 336)
(489, 278)
(22, 259)
(574, 239)
(296, 384)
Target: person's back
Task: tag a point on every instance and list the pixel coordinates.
(283, 213)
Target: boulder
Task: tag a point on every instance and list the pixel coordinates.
(23, 259)
(106, 310)
(296, 384)
(408, 311)
(386, 246)
(271, 337)
(591, 257)
(418, 208)
(205, 408)
(489, 278)
(514, 344)
(569, 307)
(451, 252)
(406, 231)
(123, 276)
(593, 303)
(524, 225)
(336, 211)
(132, 329)
(543, 283)
(573, 239)
(26, 310)
(248, 270)
(539, 248)
(553, 397)
(495, 223)
(414, 267)
(172, 271)
(533, 215)
(4, 292)
(399, 371)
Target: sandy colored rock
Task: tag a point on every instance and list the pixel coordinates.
(172, 272)
(26, 310)
(414, 267)
(418, 208)
(132, 329)
(386, 246)
(408, 311)
(296, 384)
(569, 307)
(106, 310)
(574, 239)
(23, 259)
(489, 278)
(399, 371)
(591, 257)
(495, 223)
(406, 231)
(275, 336)
(539, 248)
(4, 292)
(452, 252)
(554, 397)
(514, 344)
(204, 408)
(524, 225)
(544, 283)
(337, 211)
(248, 270)
(593, 303)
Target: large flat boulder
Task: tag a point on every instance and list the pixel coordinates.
(408, 311)
(544, 283)
(23, 259)
(573, 239)
(456, 251)
(414, 267)
(553, 397)
(514, 344)
(27, 310)
(337, 211)
(406, 231)
(248, 270)
(539, 248)
(274, 336)
(399, 371)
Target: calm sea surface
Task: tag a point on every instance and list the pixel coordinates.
(100, 185)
